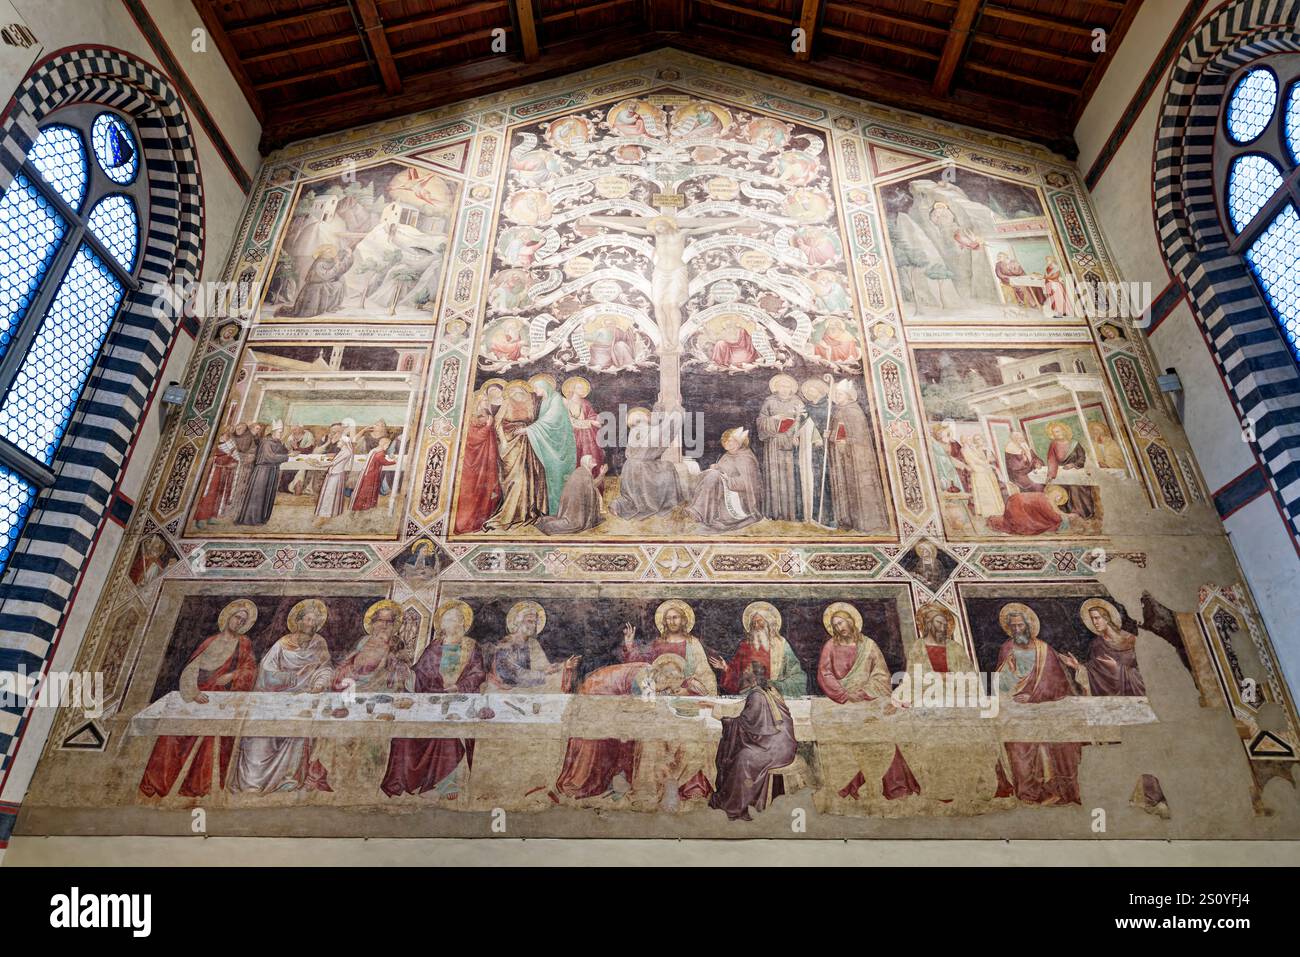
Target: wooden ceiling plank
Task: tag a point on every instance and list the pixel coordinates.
(1031, 50)
(293, 49)
(526, 21)
(278, 20)
(377, 40)
(1021, 78)
(755, 12)
(435, 19)
(955, 46)
(883, 42)
(891, 18)
(322, 73)
(808, 17)
(435, 45)
(582, 11)
(1037, 20)
(217, 30)
(1113, 38)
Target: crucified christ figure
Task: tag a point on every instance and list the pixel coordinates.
(669, 282)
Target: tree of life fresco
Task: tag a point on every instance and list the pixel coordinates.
(670, 345)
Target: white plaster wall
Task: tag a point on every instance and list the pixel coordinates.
(1123, 203)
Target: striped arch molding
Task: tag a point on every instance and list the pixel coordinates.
(43, 574)
(1248, 347)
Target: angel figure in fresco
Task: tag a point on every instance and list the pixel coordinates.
(298, 663)
(852, 669)
(519, 663)
(1031, 671)
(451, 663)
(378, 662)
(223, 661)
(764, 645)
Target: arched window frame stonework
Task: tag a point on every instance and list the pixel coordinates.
(44, 572)
(1255, 360)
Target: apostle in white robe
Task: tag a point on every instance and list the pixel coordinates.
(299, 662)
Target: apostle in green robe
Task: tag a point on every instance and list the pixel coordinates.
(552, 439)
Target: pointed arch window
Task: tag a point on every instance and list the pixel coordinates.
(1257, 162)
(70, 240)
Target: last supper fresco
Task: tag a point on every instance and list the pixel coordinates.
(655, 452)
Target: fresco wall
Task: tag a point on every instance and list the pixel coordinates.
(676, 440)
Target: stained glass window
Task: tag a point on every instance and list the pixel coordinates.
(1275, 260)
(1257, 153)
(115, 148)
(1251, 105)
(113, 223)
(64, 274)
(1292, 125)
(1251, 183)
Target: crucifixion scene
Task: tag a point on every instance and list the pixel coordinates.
(671, 343)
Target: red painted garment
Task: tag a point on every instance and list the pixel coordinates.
(170, 751)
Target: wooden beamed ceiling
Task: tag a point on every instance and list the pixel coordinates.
(1021, 67)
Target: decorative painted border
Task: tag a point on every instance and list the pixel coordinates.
(1256, 364)
(43, 575)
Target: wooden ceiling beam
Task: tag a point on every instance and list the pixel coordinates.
(275, 21)
(526, 23)
(372, 27)
(883, 43)
(955, 46)
(1036, 20)
(809, 16)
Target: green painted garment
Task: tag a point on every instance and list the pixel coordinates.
(551, 437)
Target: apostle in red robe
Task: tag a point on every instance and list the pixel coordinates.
(480, 480)
(736, 352)
(1032, 671)
(452, 663)
(1029, 513)
(223, 662)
